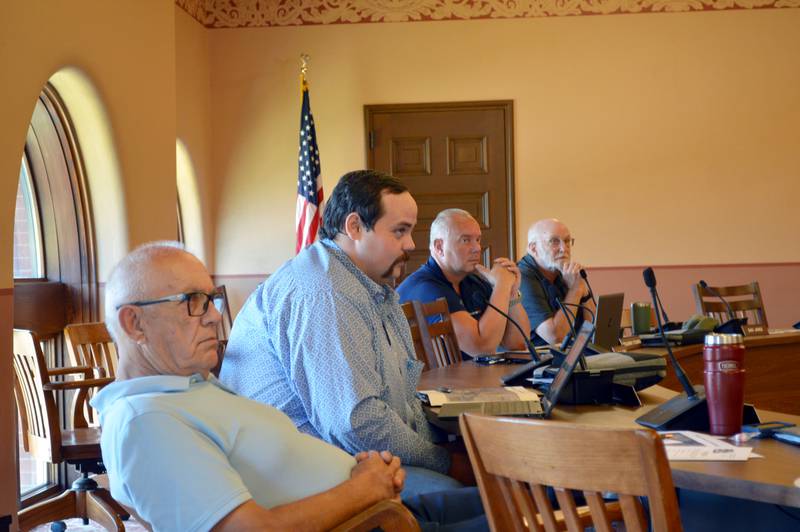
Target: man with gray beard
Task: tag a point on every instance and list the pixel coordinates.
(549, 264)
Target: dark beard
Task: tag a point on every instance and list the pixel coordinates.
(402, 260)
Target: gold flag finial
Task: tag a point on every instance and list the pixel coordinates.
(304, 58)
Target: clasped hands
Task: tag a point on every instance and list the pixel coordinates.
(383, 471)
(504, 273)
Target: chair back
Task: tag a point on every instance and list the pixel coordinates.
(223, 330)
(434, 343)
(516, 460)
(90, 344)
(41, 431)
(745, 301)
(421, 346)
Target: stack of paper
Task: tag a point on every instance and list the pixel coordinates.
(508, 401)
(688, 445)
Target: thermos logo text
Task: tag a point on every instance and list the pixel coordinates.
(728, 365)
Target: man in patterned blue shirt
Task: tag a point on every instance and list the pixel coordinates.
(324, 339)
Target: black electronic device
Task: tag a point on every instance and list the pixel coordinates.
(588, 387)
(479, 300)
(684, 411)
(607, 320)
(734, 324)
(552, 294)
(520, 376)
(566, 370)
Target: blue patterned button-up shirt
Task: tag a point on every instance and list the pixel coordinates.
(331, 348)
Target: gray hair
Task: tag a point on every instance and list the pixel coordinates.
(130, 278)
(440, 227)
(536, 229)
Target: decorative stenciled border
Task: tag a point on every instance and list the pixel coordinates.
(262, 13)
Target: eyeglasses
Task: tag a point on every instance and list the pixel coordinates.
(196, 302)
(556, 242)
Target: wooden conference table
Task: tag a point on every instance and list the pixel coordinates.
(772, 362)
(770, 479)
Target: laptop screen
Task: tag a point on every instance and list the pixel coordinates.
(607, 320)
(567, 367)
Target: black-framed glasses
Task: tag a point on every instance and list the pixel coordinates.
(196, 302)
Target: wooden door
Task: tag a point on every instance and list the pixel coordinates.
(450, 155)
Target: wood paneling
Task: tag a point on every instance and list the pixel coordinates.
(42, 307)
(450, 155)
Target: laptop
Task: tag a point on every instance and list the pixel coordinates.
(607, 320)
(549, 400)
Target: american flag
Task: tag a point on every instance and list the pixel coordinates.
(309, 184)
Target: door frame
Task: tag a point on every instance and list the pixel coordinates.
(506, 106)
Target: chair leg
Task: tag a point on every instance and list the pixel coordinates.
(62, 507)
(117, 508)
(98, 510)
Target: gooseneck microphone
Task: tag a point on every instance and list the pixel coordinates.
(586, 280)
(479, 300)
(580, 307)
(650, 281)
(552, 294)
(686, 411)
(571, 319)
(734, 324)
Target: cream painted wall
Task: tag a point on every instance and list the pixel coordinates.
(135, 81)
(126, 49)
(641, 132)
(193, 105)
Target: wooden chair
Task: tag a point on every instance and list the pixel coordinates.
(44, 438)
(745, 301)
(386, 515)
(435, 344)
(516, 460)
(90, 344)
(420, 344)
(223, 331)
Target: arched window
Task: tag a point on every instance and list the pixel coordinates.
(28, 252)
(54, 260)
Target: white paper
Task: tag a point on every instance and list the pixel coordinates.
(480, 395)
(688, 445)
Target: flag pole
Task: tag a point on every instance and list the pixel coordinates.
(304, 59)
(310, 198)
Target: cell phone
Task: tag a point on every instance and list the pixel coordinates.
(788, 435)
(489, 360)
(766, 429)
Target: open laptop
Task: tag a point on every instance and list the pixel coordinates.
(607, 320)
(549, 400)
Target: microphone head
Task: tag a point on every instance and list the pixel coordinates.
(649, 277)
(583, 273)
(703, 283)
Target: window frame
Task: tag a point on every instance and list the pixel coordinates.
(56, 170)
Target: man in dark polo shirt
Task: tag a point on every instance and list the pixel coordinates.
(549, 265)
(454, 272)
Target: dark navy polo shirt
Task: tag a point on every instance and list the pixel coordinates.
(428, 284)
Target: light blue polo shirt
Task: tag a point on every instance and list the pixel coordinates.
(185, 452)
